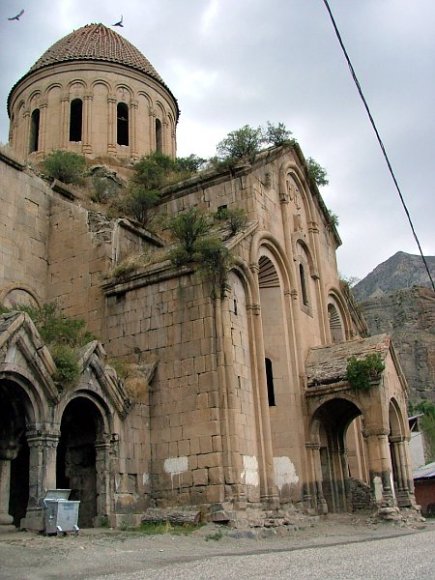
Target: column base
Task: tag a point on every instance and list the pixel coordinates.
(7, 528)
(34, 520)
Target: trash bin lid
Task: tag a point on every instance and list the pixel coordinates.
(57, 494)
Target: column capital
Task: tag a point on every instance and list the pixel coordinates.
(254, 309)
(313, 445)
(41, 438)
(375, 432)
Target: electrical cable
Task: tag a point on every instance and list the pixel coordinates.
(357, 83)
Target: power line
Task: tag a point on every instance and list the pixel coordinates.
(357, 83)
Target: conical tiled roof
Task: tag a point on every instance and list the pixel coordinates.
(96, 42)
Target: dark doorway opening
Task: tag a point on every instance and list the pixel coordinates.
(76, 457)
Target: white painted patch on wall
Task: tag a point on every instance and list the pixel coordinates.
(145, 478)
(250, 470)
(175, 466)
(285, 472)
(379, 488)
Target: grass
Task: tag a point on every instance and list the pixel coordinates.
(160, 528)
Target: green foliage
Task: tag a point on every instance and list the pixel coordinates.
(152, 170)
(166, 527)
(361, 372)
(139, 201)
(246, 142)
(55, 328)
(241, 143)
(190, 164)
(236, 218)
(278, 135)
(66, 166)
(188, 226)
(195, 246)
(63, 336)
(214, 261)
(67, 366)
(427, 424)
(316, 172)
(333, 218)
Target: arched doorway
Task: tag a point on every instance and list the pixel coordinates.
(76, 467)
(14, 453)
(331, 421)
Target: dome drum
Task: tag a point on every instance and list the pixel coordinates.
(95, 98)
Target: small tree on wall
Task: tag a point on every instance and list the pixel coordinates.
(361, 373)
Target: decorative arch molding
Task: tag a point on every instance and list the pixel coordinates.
(99, 378)
(336, 301)
(123, 89)
(97, 399)
(324, 403)
(290, 167)
(397, 424)
(242, 271)
(102, 82)
(263, 239)
(25, 359)
(13, 287)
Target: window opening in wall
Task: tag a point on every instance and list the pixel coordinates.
(34, 131)
(335, 325)
(158, 135)
(303, 285)
(269, 380)
(75, 120)
(235, 306)
(122, 124)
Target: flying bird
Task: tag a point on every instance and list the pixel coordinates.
(17, 16)
(119, 23)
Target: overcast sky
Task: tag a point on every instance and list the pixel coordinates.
(236, 62)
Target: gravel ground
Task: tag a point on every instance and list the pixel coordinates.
(103, 553)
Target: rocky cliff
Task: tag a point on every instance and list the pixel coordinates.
(394, 299)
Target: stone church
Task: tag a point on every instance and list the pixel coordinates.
(240, 400)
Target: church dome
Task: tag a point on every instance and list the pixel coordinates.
(96, 42)
(94, 93)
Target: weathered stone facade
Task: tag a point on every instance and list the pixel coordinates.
(239, 398)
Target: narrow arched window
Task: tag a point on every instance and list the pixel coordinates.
(335, 324)
(269, 380)
(303, 285)
(158, 135)
(34, 131)
(122, 124)
(75, 120)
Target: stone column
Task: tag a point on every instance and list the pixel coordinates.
(8, 452)
(43, 126)
(111, 126)
(42, 474)
(87, 124)
(232, 460)
(64, 125)
(317, 500)
(269, 490)
(102, 466)
(25, 135)
(133, 129)
(165, 133)
(380, 468)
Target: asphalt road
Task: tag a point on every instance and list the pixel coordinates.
(406, 557)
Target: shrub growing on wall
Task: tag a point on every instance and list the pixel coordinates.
(65, 166)
(362, 372)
